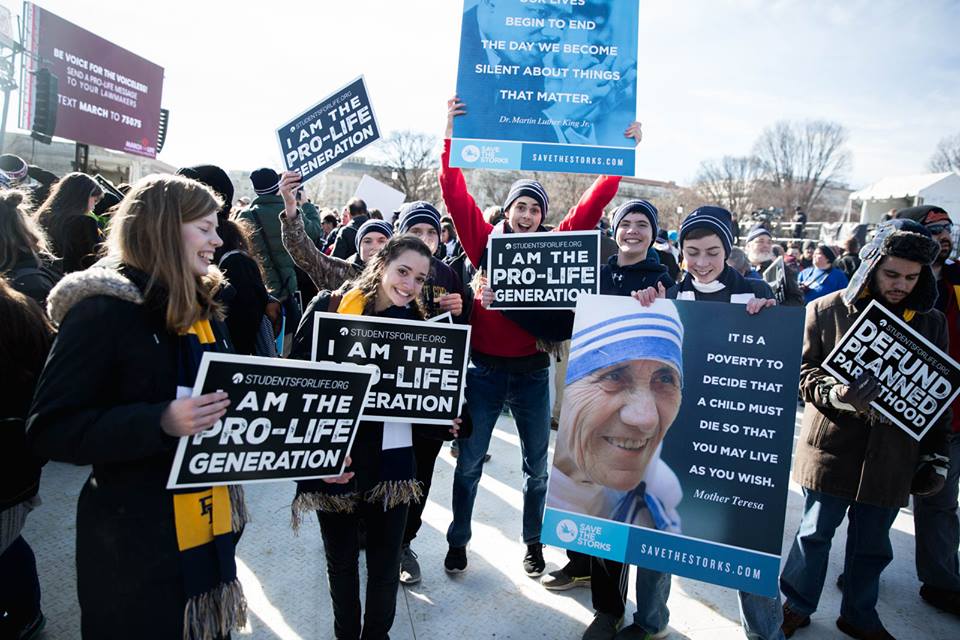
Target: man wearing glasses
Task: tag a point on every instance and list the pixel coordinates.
(935, 517)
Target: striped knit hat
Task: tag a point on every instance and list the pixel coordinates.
(529, 188)
(266, 181)
(611, 330)
(637, 206)
(714, 219)
(418, 212)
(758, 230)
(375, 226)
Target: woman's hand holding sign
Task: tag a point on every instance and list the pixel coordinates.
(452, 302)
(344, 477)
(187, 416)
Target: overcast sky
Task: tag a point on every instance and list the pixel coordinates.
(712, 73)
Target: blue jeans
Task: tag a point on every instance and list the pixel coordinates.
(760, 616)
(527, 395)
(938, 530)
(868, 552)
(653, 589)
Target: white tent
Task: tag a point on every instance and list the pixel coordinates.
(897, 192)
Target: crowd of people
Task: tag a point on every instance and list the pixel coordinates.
(111, 295)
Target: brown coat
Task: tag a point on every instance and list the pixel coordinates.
(838, 452)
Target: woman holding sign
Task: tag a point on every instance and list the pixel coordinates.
(380, 484)
(509, 369)
(114, 393)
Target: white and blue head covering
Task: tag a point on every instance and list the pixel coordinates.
(373, 225)
(617, 330)
(637, 206)
(418, 212)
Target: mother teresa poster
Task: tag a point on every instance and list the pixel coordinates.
(548, 86)
(676, 431)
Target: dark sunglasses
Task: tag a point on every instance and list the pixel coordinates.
(934, 229)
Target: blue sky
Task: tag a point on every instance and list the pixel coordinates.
(712, 74)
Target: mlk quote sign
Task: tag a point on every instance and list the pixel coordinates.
(548, 86)
(287, 420)
(919, 380)
(336, 127)
(677, 427)
(543, 270)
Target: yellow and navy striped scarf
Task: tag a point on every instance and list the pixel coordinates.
(208, 523)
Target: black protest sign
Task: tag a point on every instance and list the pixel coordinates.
(776, 276)
(287, 420)
(543, 270)
(422, 365)
(336, 127)
(919, 380)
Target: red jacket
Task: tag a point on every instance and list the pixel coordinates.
(493, 334)
(949, 285)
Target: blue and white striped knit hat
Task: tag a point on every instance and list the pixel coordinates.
(758, 230)
(418, 212)
(531, 189)
(637, 206)
(715, 219)
(377, 226)
(608, 331)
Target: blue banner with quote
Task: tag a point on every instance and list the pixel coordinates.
(548, 86)
(675, 438)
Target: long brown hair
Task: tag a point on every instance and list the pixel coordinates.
(19, 235)
(69, 197)
(369, 280)
(145, 234)
(25, 339)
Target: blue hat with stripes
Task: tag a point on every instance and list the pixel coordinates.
(531, 189)
(715, 219)
(375, 226)
(620, 329)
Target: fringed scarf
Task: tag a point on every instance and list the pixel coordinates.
(207, 523)
(382, 460)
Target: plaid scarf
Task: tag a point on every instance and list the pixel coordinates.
(381, 458)
(208, 523)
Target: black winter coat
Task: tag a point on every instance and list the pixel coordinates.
(111, 373)
(622, 281)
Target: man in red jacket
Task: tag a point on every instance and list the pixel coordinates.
(508, 369)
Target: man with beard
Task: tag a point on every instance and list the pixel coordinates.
(935, 517)
(760, 253)
(850, 461)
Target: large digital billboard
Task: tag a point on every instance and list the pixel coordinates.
(109, 96)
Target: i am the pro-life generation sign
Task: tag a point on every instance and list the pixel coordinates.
(287, 420)
(919, 380)
(422, 365)
(333, 129)
(543, 270)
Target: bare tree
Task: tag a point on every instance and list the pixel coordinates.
(799, 159)
(729, 182)
(410, 165)
(947, 155)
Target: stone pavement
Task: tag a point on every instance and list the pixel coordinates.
(284, 576)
